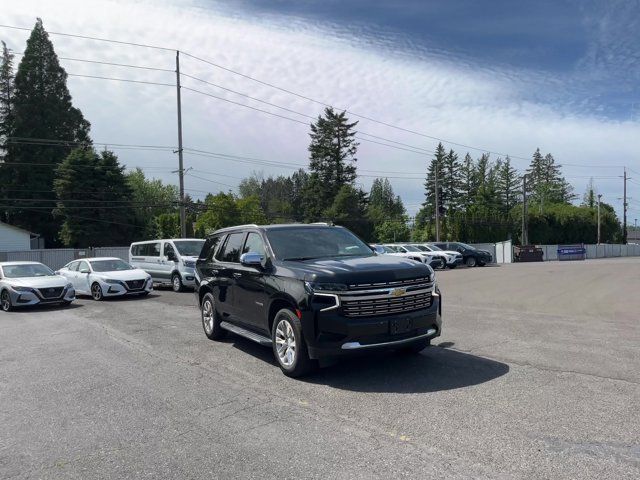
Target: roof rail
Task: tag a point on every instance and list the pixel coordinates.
(329, 224)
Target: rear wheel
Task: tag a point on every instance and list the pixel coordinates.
(96, 292)
(176, 282)
(289, 346)
(211, 319)
(470, 262)
(5, 301)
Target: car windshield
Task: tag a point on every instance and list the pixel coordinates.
(434, 248)
(392, 248)
(465, 246)
(388, 249)
(411, 248)
(422, 248)
(306, 243)
(112, 265)
(27, 270)
(189, 248)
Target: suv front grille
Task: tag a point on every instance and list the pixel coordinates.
(376, 299)
(53, 292)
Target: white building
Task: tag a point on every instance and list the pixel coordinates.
(14, 238)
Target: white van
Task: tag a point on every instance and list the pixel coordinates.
(169, 261)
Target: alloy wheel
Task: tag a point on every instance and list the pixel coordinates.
(5, 301)
(285, 343)
(207, 316)
(176, 283)
(96, 292)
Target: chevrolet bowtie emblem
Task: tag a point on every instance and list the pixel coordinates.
(398, 292)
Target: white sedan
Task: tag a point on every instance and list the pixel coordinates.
(24, 284)
(103, 277)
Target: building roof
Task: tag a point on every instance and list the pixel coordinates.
(2, 224)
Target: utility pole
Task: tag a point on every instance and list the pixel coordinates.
(437, 205)
(599, 197)
(525, 234)
(624, 209)
(183, 219)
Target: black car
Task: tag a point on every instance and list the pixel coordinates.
(312, 292)
(471, 256)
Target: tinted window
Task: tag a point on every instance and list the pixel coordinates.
(135, 250)
(150, 249)
(168, 250)
(254, 244)
(232, 247)
(210, 247)
(189, 248)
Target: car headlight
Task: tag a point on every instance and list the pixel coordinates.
(112, 281)
(190, 263)
(432, 274)
(312, 287)
(22, 289)
(69, 286)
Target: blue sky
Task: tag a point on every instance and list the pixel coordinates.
(503, 76)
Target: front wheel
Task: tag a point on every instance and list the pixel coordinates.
(289, 346)
(96, 292)
(471, 262)
(5, 301)
(176, 283)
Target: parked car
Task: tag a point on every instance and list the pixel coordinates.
(103, 277)
(452, 258)
(31, 283)
(434, 259)
(396, 252)
(471, 256)
(312, 292)
(169, 262)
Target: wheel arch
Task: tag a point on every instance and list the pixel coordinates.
(277, 304)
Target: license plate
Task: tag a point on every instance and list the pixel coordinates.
(400, 325)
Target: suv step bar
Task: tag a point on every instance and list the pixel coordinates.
(243, 332)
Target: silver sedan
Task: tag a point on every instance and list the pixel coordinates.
(24, 284)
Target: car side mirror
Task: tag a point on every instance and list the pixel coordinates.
(85, 270)
(251, 259)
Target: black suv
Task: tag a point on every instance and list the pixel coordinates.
(312, 292)
(471, 256)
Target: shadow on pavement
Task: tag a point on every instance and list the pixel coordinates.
(434, 369)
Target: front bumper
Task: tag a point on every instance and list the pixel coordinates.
(33, 297)
(330, 334)
(188, 276)
(121, 289)
(454, 261)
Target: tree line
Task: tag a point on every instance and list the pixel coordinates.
(54, 182)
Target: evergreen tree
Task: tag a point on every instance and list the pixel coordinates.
(509, 186)
(6, 97)
(451, 183)
(383, 203)
(590, 195)
(332, 152)
(468, 182)
(436, 165)
(42, 114)
(95, 208)
(545, 183)
(348, 209)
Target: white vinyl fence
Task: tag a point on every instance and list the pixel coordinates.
(58, 257)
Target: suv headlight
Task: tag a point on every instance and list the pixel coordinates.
(312, 287)
(432, 274)
(69, 286)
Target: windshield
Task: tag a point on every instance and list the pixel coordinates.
(434, 248)
(393, 248)
(110, 265)
(306, 243)
(422, 248)
(388, 249)
(27, 270)
(411, 248)
(189, 248)
(465, 246)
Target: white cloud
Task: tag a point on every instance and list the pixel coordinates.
(447, 97)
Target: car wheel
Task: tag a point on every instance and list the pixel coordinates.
(289, 346)
(176, 282)
(96, 292)
(471, 262)
(481, 264)
(415, 347)
(211, 319)
(5, 301)
(452, 266)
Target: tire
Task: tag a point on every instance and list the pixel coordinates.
(415, 347)
(5, 301)
(96, 292)
(210, 318)
(481, 264)
(289, 346)
(470, 262)
(176, 283)
(452, 266)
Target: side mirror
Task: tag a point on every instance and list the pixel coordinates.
(251, 259)
(85, 270)
(379, 249)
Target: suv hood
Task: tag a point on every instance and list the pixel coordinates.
(355, 270)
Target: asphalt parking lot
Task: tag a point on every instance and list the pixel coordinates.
(537, 375)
